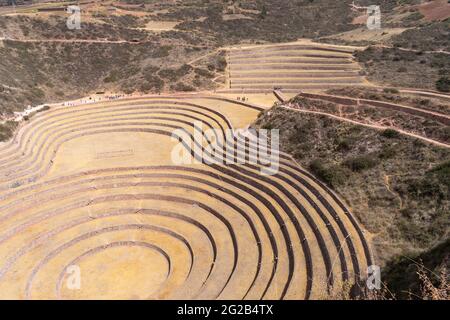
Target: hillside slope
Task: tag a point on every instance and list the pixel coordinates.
(398, 187)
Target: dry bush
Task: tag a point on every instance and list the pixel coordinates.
(431, 291)
(350, 291)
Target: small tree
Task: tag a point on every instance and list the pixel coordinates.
(443, 84)
(263, 14)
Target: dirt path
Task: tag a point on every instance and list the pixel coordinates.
(411, 50)
(70, 40)
(205, 55)
(373, 126)
(424, 113)
(387, 183)
(426, 93)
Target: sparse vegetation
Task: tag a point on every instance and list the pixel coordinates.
(332, 175)
(61, 72)
(429, 37)
(390, 133)
(7, 130)
(396, 67)
(443, 84)
(398, 187)
(372, 115)
(361, 162)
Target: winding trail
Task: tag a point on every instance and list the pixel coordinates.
(378, 127)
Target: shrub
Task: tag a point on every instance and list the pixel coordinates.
(221, 64)
(161, 52)
(263, 13)
(175, 74)
(435, 184)
(441, 173)
(204, 73)
(184, 69)
(404, 275)
(360, 163)
(44, 108)
(182, 87)
(331, 175)
(112, 77)
(387, 152)
(150, 69)
(152, 83)
(413, 17)
(391, 90)
(443, 84)
(344, 144)
(390, 133)
(300, 132)
(268, 125)
(7, 130)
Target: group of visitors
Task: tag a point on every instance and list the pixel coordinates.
(93, 99)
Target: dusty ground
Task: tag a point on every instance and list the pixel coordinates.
(159, 26)
(364, 35)
(435, 10)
